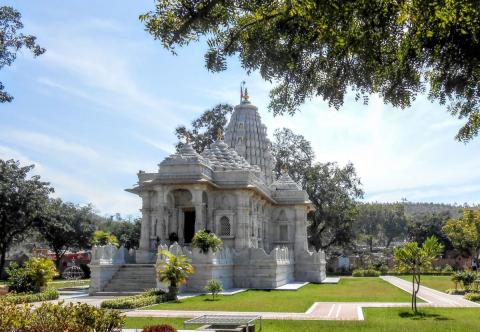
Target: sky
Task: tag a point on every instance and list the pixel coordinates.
(103, 102)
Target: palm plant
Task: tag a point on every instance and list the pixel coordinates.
(457, 279)
(173, 270)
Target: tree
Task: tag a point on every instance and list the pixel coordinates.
(22, 201)
(11, 41)
(333, 191)
(394, 223)
(214, 287)
(127, 231)
(368, 222)
(397, 49)
(412, 259)
(65, 226)
(204, 129)
(464, 233)
(293, 152)
(425, 224)
(175, 270)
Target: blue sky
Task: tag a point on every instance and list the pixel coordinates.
(104, 100)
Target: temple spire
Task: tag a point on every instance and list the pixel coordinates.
(244, 98)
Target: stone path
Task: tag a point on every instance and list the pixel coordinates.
(433, 297)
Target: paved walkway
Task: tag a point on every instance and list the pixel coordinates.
(433, 297)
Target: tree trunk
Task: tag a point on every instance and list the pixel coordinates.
(370, 243)
(3, 256)
(413, 289)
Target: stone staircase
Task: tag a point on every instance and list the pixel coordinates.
(132, 278)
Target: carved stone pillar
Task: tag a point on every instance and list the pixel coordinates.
(300, 229)
(242, 229)
(143, 253)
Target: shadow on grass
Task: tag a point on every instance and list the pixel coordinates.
(211, 300)
(422, 316)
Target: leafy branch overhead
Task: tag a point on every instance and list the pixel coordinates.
(397, 49)
(11, 41)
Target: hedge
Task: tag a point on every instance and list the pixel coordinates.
(135, 301)
(18, 298)
(472, 297)
(365, 273)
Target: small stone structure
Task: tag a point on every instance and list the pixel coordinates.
(230, 190)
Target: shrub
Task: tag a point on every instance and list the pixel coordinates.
(454, 291)
(58, 318)
(472, 297)
(137, 301)
(46, 295)
(34, 276)
(159, 328)
(214, 287)
(365, 273)
(102, 238)
(467, 278)
(205, 241)
(447, 269)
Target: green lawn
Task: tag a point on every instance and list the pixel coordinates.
(69, 283)
(440, 283)
(347, 290)
(376, 319)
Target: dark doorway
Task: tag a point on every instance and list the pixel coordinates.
(189, 226)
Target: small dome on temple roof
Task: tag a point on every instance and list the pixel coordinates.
(222, 157)
(186, 154)
(285, 182)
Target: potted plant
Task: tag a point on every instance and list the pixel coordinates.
(205, 241)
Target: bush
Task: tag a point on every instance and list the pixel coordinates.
(214, 287)
(468, 278)
(365, 273)
(46, 295)
(205, 241)
(472, 297)
(447, 269)
(159, 328)
(453, 291)
(58, 318)
(137, 301)
(34, 276)
(102, 238)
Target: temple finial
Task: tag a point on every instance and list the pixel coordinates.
(243, 94)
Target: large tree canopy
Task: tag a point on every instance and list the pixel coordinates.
(65, 226)
(11, 41)
(395, 48)
(22, 200)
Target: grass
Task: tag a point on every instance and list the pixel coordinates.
(69, 283)
(440, 283)
(347, 290)
(376, 320)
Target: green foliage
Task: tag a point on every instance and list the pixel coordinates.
(397, 49)
(424, 224)
(467, 278)
(205, 129)
(214, 287)
(205, 241)
(32, 277)
(174, 270)
(472, 297)
(58, 318)
(46, 295)
(333, 191)
(102, 238)
(137, 301)
(412, 259)
(159, 328)
(12, 41)
(464, 232)
(365, 273)
(65, 226)
(127, 231)
(22, 199)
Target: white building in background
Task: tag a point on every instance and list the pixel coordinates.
(230, 190)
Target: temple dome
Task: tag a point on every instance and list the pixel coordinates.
(222, 157)
(186, 155)
(285, 182)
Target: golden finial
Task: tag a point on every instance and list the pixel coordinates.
(284, 169)
(243, 93)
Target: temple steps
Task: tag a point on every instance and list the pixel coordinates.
(132, 278)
